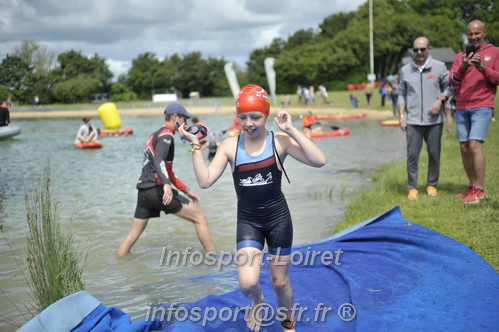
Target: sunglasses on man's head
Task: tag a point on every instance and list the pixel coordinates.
(415, 50)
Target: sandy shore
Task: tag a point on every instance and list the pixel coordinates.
(198, 111)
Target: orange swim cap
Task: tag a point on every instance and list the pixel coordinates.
(253, 98)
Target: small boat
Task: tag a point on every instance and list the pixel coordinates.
(341, 116)
(87, 145)
(338, 132)
(115, 132)
(9, 131)
(389, 123)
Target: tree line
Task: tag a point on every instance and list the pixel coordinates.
(335, 54)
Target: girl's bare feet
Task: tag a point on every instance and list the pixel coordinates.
(254, 315)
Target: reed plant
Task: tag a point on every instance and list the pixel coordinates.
(55, 265)
(475, 225)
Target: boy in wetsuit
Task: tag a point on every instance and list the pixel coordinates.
(155, 193)
(4, 115)
(310, 124)
(263, 216)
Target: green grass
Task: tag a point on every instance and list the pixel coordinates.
(54, 264)
(475, 225)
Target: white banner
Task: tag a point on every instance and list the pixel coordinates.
(159, 98)
(269, 70)
(232, 78)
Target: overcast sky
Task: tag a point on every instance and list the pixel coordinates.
(120, 30)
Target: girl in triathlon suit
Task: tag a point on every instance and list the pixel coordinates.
(263, 216)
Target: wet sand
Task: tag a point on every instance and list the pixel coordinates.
(34, 114)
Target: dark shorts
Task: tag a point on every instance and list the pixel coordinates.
(150, 203)
(275, 228)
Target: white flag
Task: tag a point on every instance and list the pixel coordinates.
(269, 70)
(232, 78)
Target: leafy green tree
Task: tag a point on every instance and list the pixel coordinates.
(220, 85)
(40, 79)
(145, 75)
(340, 54)
(335, 23)
(120, 92)
(256, 69)
(4, 93)
(40, 85)
(193, 73)
(13, 74)
(37, 56)
(77, 89)
(300, 37)
(463, 11)
(72, 64)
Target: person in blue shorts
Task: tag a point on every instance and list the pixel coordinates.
(263, 217)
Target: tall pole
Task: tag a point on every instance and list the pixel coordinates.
(371, 77)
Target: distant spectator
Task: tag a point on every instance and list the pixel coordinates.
(285, 100)
(383, 92)
(450, 108)
(212, 146)
(300, 94)
(354, 102)
(323, 94)
(394, 95)
(311, 95)
(308, 98)
(368, 90)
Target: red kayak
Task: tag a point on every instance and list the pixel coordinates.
(341, 116)
(339, 132)
(389, 123)
(87, 145)
(115, 132)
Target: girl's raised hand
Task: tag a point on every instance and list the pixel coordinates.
(283, 121)
(185, 135)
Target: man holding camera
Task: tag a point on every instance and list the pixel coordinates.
(475, 74)
(423, 90)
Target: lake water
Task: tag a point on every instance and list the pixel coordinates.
(98, 188)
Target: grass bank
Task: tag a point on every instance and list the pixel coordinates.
(475, 225)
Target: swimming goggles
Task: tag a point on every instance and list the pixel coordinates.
(199, 130)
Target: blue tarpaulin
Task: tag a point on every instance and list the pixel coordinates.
(384, 274)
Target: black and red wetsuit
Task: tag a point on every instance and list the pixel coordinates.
(4, 116)
(157, 170)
